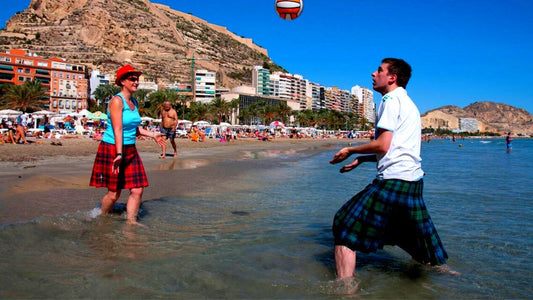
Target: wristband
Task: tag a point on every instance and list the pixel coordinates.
(118, 154)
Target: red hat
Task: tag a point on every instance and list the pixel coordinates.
(126, 70)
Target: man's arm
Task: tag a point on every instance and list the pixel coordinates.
(378, 146)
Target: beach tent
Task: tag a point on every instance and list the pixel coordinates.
(43, 113)
(10, 112)
(84, 112)
(184, 124)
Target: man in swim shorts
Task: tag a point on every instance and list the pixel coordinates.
(169, 122)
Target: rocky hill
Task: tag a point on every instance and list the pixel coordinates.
(491, 116)
(105, 34)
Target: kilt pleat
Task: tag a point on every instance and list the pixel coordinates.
(389, 212)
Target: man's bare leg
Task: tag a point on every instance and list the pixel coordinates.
(344, 262)
(164, 149)
(173, 143)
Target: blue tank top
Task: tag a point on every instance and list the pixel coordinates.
(130, 121)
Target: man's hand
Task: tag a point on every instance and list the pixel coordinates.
(343, 154)
(349, 167)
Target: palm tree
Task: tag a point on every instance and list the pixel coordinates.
(284, 111)
(141, 96)
(156, 100)
(104, 92)
(28, 97)
(199, 111)
(219, 108)
(183, 100)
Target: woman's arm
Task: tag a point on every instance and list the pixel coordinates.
(156, 136)
(115, 110)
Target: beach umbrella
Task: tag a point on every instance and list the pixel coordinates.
(97, 115)
(10, 112)
(224, 124)
(277, 124)
(146, 119)
(201, 123)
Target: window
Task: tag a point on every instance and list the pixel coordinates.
(55, 73)
(68, 75)
(60, 74)
(54, 103)
(20, 70)
(54, 93)
(27, 71)
(73, 104)
(20, 78)
(60, 103)
(42, 64)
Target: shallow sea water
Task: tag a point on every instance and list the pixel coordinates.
(267, 234)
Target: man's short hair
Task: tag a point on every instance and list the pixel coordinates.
(400, 68)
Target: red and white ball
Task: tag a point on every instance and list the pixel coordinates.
(289, 9)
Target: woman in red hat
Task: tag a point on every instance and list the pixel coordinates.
(117, 164)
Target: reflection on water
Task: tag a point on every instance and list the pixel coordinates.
(182, 164)
(266, 233)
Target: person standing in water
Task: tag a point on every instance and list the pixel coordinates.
(509, 142)
(390, 210)
(118, 165)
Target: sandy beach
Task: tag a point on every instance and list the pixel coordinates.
(44, 180)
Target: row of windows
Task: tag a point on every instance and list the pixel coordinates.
(66, 104)
(68, 75)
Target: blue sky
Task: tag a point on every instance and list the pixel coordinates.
(461, 51)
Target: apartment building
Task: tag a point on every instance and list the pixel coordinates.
(365, 106)
(66, 82)
(98, 79)
(205, 86)
(261, 80)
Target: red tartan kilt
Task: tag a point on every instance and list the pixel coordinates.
(131, 173)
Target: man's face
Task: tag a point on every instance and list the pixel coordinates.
(166, 106)
(381, 79)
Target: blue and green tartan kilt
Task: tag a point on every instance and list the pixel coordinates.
(389, 212)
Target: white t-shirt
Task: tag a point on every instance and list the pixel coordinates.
(397, 113)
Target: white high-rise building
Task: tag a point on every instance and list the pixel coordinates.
(205, 86)
(366, 103)
(96, 80)
(261, 80)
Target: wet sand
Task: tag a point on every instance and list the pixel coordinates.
(44, 180)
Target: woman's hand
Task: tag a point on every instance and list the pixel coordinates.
(116, 164)
(160, 140)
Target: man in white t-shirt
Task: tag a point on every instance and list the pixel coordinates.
(390, 210)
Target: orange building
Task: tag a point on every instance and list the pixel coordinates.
(66, 82)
